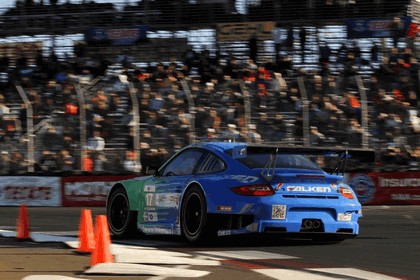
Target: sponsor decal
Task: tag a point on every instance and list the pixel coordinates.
(240, 31)
(239, 151)
(278, 186)
(278, 212)
(224, 208)
(308, 189)
(88, 190)
(94, 189)
(33, 191)
(334, 186)
(167, 200)
(156, 230)
(224, 232)
(164, 200)
(373, 27)
(27, 193)
(245, 179)
(405, 196)
(117, 36)
(364, 187)
(150, 216)
(344, 217)
(398, 182)
(149, 188)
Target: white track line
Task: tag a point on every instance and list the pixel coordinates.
(50, 277)
(354, 272)
(245, 255)
(153, 258)
(290, 274)
(115, 248)
(140, 269)
(41, 237)
(7, 233)
(322, 274)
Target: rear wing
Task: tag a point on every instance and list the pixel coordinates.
(342, 154)
(367, 155)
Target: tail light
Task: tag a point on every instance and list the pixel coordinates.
(346, 193)
(254, 190)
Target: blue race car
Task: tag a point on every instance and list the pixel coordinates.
(224, 188)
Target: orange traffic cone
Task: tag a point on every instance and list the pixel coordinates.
(102, 252)
(22, 230)
(86, 235)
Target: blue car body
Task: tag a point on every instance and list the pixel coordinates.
(236, 188)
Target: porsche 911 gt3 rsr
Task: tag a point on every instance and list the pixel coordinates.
(224, 188)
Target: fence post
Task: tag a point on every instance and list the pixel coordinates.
(136, 121)
(365, 124)
(82, 122)
(247, 103)
(30, 129)
(305, 111)
(191, 107)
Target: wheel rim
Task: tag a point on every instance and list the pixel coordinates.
(119, 212)
(193, 214)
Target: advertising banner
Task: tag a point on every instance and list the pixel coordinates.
(88, 190)
(155, 49)
(386, 187)
(116, 36)
(32, 191)
(373, 27)
(243, 31)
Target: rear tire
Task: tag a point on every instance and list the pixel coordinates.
(122, 222)
(194, 215)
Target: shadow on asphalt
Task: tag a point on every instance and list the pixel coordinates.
(249, 240)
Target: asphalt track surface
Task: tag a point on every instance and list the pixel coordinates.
(388, 247)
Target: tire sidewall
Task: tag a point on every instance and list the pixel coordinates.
(201, 231)
(120, 192)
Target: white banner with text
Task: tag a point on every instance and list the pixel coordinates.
(30, 190)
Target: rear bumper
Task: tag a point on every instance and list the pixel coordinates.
(291, 216)
(301, 224)
(297, 227)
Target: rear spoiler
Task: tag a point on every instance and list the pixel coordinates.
(363, 154)
(343, 154)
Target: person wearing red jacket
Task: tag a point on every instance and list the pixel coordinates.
(412, 32)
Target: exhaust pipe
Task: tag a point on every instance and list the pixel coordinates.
(316, 224)
(307, 224)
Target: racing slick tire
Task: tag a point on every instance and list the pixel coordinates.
(122, 222)
(194, 215)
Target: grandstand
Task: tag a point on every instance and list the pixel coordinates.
(135, 82)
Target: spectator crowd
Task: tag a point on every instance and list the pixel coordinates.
(202, 97)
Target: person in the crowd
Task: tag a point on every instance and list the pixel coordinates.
(241, 99)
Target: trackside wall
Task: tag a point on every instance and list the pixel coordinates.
(91, 191)
(386, 187)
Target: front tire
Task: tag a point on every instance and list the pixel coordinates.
(122, 222)
(194, 215)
